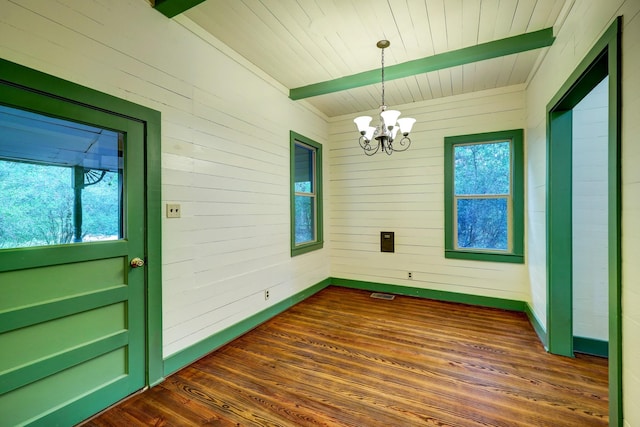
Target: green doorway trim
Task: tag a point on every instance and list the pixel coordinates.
(35, 81)
(602, 60)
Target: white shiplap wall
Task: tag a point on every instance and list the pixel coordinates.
(404, 193)
(225, 150)
(584, 25)
(225, 159)
(590, 215)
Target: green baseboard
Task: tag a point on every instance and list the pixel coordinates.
(506, 304)
(196, 351)
(542, 333)
(591, 346)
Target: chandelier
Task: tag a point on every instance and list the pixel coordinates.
(383, 135)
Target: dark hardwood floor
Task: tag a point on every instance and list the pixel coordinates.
(342, 358)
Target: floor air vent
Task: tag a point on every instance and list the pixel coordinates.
(382, 296)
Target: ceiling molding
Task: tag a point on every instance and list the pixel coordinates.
(480, 52)
(171, 8)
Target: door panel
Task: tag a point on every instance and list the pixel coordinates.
(72, 316)
(36, 404)
(32, 287)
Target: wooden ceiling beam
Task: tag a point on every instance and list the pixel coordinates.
(171, 8)
(480, 52)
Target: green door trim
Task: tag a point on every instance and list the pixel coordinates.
(602, 60)
(30, 80)
(559, 232)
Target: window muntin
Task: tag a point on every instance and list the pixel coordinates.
(60, 181)
(482, 194)
(305, 197)
(484, 210)
(306, 201)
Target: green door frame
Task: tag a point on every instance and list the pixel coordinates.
(31, 80)
(602, 60)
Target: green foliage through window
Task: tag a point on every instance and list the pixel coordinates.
(484, 212)
(482, 184)
(60, 181)
(37, 206)
(306, 194)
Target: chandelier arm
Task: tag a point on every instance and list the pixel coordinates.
(388, 148)
(362, 142)
(402, 143)
(370, 151)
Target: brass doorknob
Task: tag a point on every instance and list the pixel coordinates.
(136, 262)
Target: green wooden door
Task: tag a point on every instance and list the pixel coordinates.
(72, 315)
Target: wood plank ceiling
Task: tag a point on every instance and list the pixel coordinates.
(302, 42)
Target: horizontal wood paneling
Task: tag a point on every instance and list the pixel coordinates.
(584, 25)
(404, 193)
(239, 114)
(590, 216)
(630, 210)
(225, 150)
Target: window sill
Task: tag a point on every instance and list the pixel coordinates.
(485, 256)
(308, 247)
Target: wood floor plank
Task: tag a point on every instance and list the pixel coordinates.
(341, 358)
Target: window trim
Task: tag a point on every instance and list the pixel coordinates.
(298, 249)
(516, 226)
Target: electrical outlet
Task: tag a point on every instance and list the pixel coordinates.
(173, 210)
(266, 294)
(409, 275)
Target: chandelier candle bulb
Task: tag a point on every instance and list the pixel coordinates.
(363, 123)
(385, 133)
(369, 133)
(405, 124)
(389, 117)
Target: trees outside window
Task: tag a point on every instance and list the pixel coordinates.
(37, 204)
(60, 180)
(306, 194)
(484, 212)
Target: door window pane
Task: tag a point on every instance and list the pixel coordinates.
(60, 181)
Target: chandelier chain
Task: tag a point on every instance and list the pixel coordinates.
(383, 76)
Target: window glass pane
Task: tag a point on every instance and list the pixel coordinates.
(482, 224)
(304, 169)
(304, 219)
(60, 181)
(482, 168)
